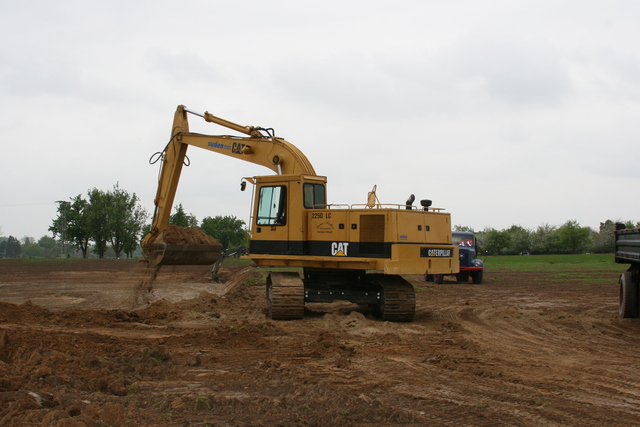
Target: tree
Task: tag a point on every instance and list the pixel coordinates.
(72, 224)
(98, 220)
(125, 219)
(106, 217)
(10, 248)
(181, 219)
(33, 250)
(573, 238)
(30, 249)
(604, 241)
(47, 242)
(496, 242)
(49, 247)
(463, 228)
(131, 244)
(519, 240)
(228, 230)
(544, 240)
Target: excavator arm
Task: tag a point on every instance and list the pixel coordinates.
(259, 147)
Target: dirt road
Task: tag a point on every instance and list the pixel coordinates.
(89, 344)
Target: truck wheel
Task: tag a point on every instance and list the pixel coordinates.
(438, 278)
(476, 277)
(628, 307)
(428, 277)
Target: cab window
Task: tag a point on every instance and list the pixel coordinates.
(462, 240)
(314, 196)
(272, 205)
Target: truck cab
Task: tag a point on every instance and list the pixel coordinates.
(470, 265)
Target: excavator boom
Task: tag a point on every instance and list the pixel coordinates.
(259, 147)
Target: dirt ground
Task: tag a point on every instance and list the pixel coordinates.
(91, 343)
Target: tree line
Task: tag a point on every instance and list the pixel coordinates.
(103, 218)
(569, 238)
(45, 247)
(111, 222)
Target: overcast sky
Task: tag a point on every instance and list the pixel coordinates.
(502, 112)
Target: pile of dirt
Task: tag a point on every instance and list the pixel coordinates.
(175, 235)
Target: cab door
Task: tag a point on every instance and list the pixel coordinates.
(271, 223)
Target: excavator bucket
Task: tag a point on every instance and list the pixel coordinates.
(190, 254)
(182, 246)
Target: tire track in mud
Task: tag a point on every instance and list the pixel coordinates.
(571, 353)
(524, 366)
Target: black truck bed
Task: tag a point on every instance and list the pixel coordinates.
(628, 245)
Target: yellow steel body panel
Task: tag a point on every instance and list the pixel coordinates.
(407, 226)
(406, 231)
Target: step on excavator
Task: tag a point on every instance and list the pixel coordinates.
(357, 253)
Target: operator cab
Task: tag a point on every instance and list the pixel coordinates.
(280, 208)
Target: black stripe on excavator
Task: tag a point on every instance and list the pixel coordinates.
(327, 248)
(315, 248)
(276, 247)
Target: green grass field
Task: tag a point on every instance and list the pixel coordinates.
(551, 263)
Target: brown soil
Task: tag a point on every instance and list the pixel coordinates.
(176, 235)
(80, 347)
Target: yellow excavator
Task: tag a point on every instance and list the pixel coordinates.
(356, 253)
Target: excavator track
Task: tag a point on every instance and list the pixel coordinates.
(398, 298)
(285, 296)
